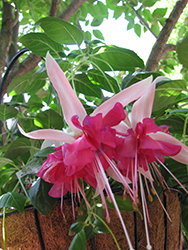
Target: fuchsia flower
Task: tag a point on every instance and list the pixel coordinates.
(142, 147)
(86, 152)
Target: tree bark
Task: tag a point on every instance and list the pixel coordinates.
(6, 34)
(32, 60)
(54, 8)
(159, 48)
(71, 9)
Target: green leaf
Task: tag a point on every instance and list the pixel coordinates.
(41, 200)
(31, 167)
(98, 11)
(99, 227)
(96, 22)
(61, 31)
(137, 29)
(88, 35)
(109, 58)
(148, 3)
(40, 43)
(104, 80)
(85, 86)
(5, 175)
(7, 112)
(79, 241)
(155, 27)
(98, 34)
(76, 227)
(175, 122)
(12, 199)
(4, 161)
(26, 83)
(159, 12)
(18, 147)
(182, 51)
(49, 119)
(136, 77)
(123, 205)
(44, 152)
(118, 11)
(167, 92)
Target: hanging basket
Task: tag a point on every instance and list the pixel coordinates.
(32, 230)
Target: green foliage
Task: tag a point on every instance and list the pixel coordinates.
(182, 51)
(61, 31)
(12, 199)
(40, 198)
(91, 67)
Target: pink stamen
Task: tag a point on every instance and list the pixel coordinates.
(114, 201)
(144, 212)
(173, 176)
(62, 200)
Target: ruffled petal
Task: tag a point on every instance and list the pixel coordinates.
(182, 156)
(70, 103)
(114, 116)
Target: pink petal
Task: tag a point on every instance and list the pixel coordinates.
(70, 103)
(114, 116)
(182, 156)
(142, 108)
(48, 134)
(125, 96)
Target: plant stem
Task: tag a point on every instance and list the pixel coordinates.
(107, 228)
(3, 229)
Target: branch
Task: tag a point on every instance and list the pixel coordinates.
(54, 8)
(143, 22)
(32, 60)
(6, 34)
(71, 9)
(159, 47)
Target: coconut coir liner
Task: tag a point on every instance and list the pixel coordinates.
(21, 232)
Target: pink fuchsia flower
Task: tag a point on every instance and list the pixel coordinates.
(142, 148)
(96, 146)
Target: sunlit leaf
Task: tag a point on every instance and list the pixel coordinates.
(104, 80)
(18, 147)
(85, 86)
(40, 43)
(109, 58)
(5, 175)
(182, 51)
(26, 83)
(61, 31)
(167, 92)
(7, 112)
(98, 34)
(49, 119)
(4, 161)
